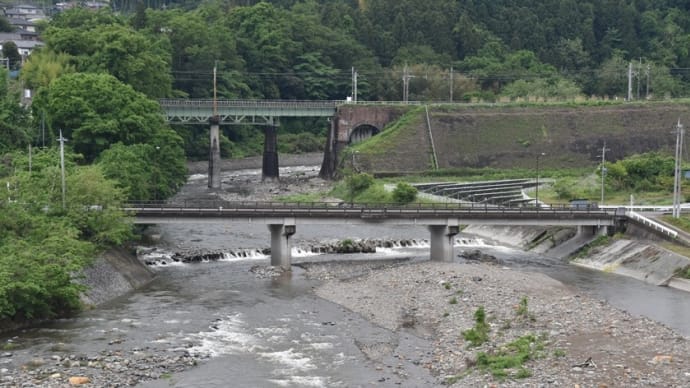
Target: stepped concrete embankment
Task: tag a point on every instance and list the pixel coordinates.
(637, 254)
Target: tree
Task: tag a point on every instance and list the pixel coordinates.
(131, 56)
(5, 25)
(14, 131)
(43, 66)
(11, 53)
(96, 111)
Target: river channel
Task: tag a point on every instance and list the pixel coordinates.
(252, 331)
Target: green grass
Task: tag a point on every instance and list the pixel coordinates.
(390, 137)
(303, 198)
(479, 333)
(682, 222)
(599, 241)
(522, 310)
(8, 346)
(512, 357)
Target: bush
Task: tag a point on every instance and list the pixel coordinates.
(359, 182)
(404, 193)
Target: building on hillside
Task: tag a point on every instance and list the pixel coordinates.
(26, 43)
(26, 12)
(23, 24)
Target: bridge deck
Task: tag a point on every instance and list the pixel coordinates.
(325, 213)
(243, 111)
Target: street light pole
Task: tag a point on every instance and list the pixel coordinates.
(677, 170)
(603, 170)
(536, 195)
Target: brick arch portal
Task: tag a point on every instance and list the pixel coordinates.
(352, 124)
(362, 132)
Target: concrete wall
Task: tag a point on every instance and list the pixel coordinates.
(115, 273)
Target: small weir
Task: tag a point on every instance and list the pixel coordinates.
(156, 257)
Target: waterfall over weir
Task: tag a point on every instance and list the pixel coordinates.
(158, 257)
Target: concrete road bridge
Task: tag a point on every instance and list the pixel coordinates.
(443, 220)
(350, 123)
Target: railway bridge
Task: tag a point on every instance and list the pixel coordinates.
(350, 122)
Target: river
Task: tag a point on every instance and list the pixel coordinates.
(256, 332)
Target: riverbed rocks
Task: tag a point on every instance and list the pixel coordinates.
(572, 340)
(119, 367)
(475, 255)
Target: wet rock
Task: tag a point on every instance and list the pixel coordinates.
(478, 256)
(79, 380)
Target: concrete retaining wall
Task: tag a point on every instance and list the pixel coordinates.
(639, 259)
(115, 273)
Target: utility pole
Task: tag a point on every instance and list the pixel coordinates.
(406, 83)
(646, 95)
(639, 76)
(677, 174)
(603, 170)
(215, 103)
(630, 74)
(354, 85)
(62, 141)
(43, 128)
(536, 195)
(451, 84)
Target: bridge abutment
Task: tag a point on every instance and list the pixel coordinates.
(441, 242)
(592, 230)
(280, 244)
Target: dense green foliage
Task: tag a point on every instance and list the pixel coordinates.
(306, 48)
(646, 172)
(43, 245)
(404, 193)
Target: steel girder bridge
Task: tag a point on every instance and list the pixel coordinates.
(252, 112)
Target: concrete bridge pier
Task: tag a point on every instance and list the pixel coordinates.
(214, 155)
(441, 242)
(280, 244)
(269, 169)
(592, 230)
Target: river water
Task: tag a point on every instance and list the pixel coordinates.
(258, 332)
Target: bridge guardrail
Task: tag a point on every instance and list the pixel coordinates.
(277, 103)
(217, 207)
(652, 224)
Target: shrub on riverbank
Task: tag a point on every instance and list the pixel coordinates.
(45, 242)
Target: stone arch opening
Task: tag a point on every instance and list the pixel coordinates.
(362, 132)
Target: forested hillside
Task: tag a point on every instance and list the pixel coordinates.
(306, 49)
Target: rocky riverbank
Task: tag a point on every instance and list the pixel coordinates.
(560, 337)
